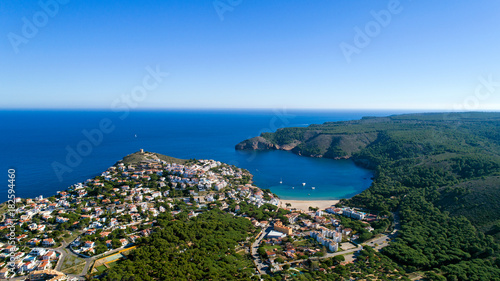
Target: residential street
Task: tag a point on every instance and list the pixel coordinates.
(261, 267)
(377, 243)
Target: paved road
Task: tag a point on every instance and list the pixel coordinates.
(62, 250)
(64, 253)
(261, 267)
(377, 243)
(328, 255)
(381, 241)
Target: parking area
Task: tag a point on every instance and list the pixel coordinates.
(347, 246)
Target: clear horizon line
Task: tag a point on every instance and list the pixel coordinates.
(416, 110)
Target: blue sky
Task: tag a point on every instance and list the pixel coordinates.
(260, 54)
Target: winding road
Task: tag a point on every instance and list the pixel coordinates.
(377, 243)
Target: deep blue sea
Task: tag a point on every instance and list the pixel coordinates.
(34, 142)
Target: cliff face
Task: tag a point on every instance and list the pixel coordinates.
(425, 165)
(256, 143)
(260, 143)
(370, 140)
(314, 144)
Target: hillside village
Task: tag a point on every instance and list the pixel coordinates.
(113, 211)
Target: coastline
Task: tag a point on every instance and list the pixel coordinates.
(305, 204)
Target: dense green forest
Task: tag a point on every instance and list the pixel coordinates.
(440, 172)
(202, 248)
(371, 266)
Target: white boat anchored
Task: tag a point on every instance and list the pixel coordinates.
(313, 187)
(303, 184)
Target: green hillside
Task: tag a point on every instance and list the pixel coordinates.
(477, 200)
(440, 171)
(139, 157)
(207, 245)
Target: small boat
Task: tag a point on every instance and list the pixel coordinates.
(135, 135)
(281, 181)
(303, 184)
(293, 187)
(313, 187)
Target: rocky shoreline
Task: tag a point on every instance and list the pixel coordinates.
(260, 143)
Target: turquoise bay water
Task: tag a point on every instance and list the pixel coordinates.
(331, 179)
(33, 141)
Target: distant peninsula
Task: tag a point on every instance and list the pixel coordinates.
(349, 139)
(431, 213)
(440, 172)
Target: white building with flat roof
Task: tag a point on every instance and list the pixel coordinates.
(275, 234)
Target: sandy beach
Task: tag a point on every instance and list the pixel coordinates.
(305, 204)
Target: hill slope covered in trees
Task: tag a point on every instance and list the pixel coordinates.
(440, 171)
(198, 249)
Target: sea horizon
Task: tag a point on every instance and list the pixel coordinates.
(44, 137)
(244, 109)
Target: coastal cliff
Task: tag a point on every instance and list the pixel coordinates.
(335, 140)
(313, 144)
(450, 157)
(398, 136)
(256, 143)
(260, 143)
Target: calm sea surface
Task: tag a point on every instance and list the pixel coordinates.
(34, 141)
